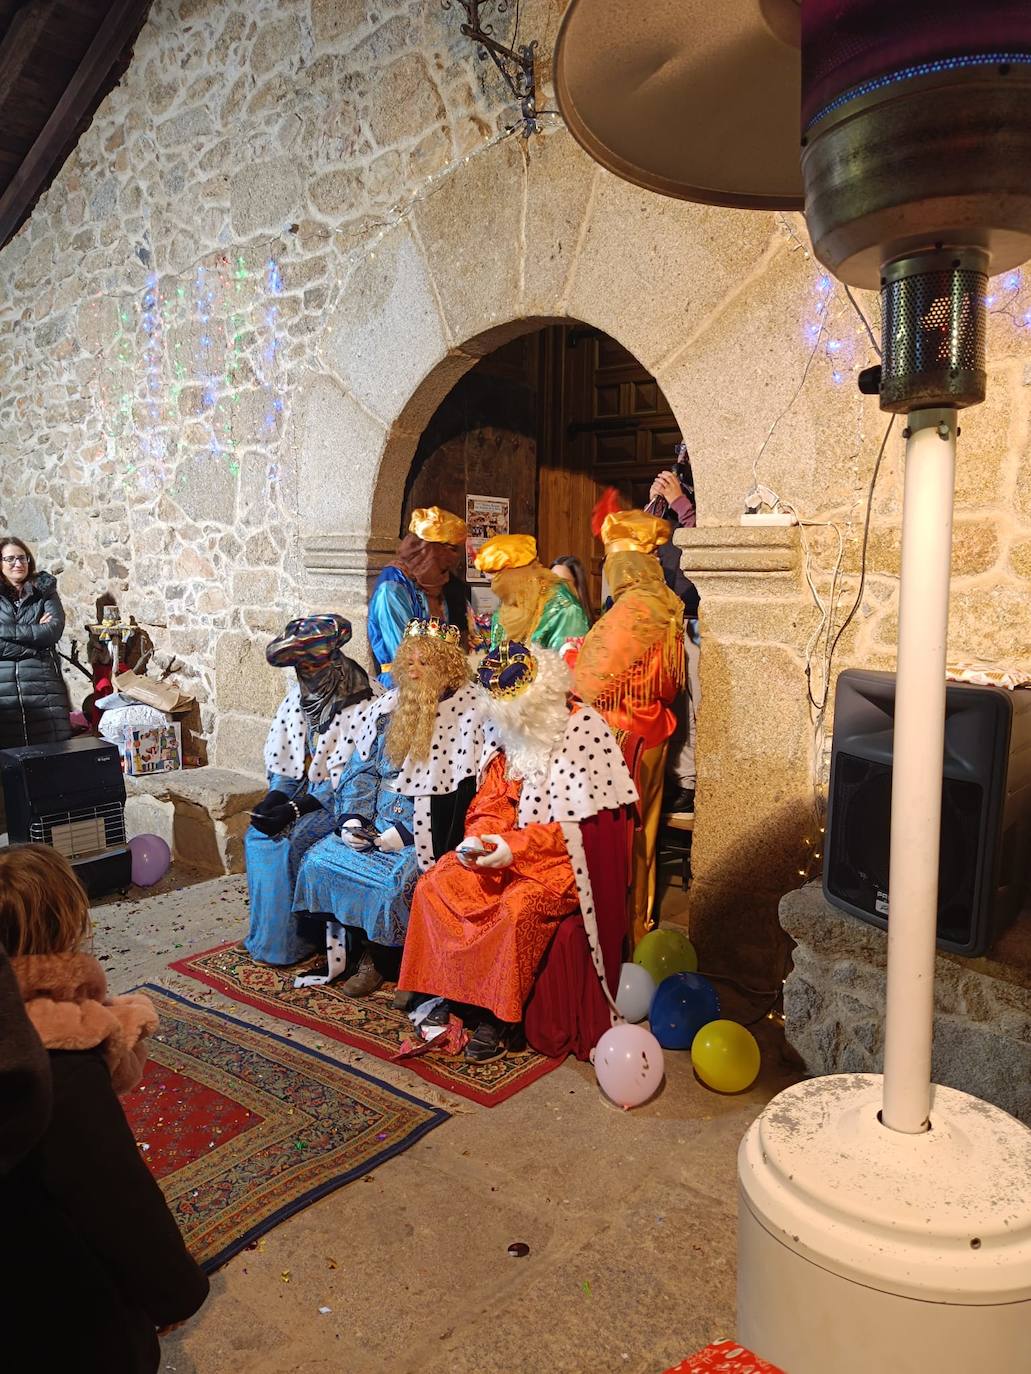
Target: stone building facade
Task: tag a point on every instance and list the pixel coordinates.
(288, 233)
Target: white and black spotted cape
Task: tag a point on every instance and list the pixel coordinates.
(587, 774)
(463, 744)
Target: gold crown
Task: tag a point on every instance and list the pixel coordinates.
(507, 669)
(433, 629)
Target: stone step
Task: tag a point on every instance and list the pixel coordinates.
(201, 813)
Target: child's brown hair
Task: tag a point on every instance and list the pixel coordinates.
(43, 907)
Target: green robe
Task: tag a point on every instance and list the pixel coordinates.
(562, 618)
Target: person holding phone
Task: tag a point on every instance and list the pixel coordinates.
(673, 498)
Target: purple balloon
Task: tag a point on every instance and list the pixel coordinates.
(150, 859)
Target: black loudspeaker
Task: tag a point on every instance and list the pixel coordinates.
(986, 807)
(71, 796)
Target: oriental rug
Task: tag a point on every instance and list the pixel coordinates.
(368, 1023)
(243, 1128)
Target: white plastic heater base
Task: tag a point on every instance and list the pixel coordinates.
(860, 1248)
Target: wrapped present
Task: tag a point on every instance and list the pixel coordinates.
(725, 1357)
(153, 749)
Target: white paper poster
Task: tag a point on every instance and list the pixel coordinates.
(485, 516)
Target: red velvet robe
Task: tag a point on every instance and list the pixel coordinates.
(477, 935)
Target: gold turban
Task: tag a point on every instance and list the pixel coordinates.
(506, 551)
(437, 526)
(633, 531)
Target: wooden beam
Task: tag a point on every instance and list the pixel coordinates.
(20, 40)
(123, 19)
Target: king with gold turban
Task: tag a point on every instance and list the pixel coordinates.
(536, 606)
(630, 669)
(419, 583)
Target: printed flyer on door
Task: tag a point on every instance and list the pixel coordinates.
(485, 516)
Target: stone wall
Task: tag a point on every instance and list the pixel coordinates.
(284, 238)
(834, 1004)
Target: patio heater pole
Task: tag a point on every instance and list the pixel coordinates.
(917, 760)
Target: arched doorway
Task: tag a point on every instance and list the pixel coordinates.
(546, 422)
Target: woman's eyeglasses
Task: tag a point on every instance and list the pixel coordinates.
(16, 558)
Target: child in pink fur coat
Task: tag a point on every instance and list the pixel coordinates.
(94, 1264)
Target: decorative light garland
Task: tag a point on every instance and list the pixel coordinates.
(146, 366)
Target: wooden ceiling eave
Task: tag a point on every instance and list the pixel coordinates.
(58, 61)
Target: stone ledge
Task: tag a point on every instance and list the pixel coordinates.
(201, 813)
(834, 1004)
(355, 560)
(220, 791)
(738, 548)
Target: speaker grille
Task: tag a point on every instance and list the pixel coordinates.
(857, 870)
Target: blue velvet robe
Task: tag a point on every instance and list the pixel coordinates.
(272, 864)
(366, 890)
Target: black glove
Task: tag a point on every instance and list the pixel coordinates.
(276, 812)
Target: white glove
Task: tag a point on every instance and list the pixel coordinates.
(350, 837)
(499, 857)
(389, 841)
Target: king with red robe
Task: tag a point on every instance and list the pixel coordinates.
(483, 917)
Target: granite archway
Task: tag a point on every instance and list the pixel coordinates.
(516, 237)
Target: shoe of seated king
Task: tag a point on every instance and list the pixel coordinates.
(364, 981)
(438, 1017)
(490, 1041)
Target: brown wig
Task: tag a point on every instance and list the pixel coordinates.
(426, 563)
(583, 595)
(442, 668)
(5, 582)
(43, 907)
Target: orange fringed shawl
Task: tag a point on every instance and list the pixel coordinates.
(631, 665)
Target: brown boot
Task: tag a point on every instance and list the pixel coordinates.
(363, 982)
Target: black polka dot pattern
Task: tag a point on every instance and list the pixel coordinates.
(581, 784)
(285, 743)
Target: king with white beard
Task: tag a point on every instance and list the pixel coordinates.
(483, 916)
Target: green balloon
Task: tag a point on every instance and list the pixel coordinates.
(663, 952)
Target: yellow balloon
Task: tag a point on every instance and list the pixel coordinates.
(725, 1056)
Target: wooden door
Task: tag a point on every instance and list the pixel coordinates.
(605, 423)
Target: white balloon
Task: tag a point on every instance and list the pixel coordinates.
(628, 1064)
(636, 990)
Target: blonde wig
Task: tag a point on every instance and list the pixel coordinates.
(442, 667)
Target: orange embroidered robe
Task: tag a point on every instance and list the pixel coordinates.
(477, 935)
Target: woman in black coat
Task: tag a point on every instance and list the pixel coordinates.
(33, 697)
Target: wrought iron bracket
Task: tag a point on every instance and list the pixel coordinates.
(515, 64)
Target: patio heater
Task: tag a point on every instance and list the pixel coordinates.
(885, 1222)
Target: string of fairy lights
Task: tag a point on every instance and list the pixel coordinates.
(217, 330)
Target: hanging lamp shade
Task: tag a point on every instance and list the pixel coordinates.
(696, 99)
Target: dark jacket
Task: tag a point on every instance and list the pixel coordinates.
(677, 580)
(24, 1075)
(92, 1262)
(33, 697)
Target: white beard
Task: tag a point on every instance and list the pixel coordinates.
(531, 726)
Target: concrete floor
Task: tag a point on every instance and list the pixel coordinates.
(630, 1217)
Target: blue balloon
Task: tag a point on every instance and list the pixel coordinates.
(682, 1005)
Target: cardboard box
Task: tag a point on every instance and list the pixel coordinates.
(157, 749)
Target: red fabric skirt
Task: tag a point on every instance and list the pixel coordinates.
(567, 1011)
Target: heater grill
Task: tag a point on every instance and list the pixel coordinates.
(934, 336)
(76, 834)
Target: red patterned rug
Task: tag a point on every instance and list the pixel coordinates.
(368, 1023)
(242, 1128)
